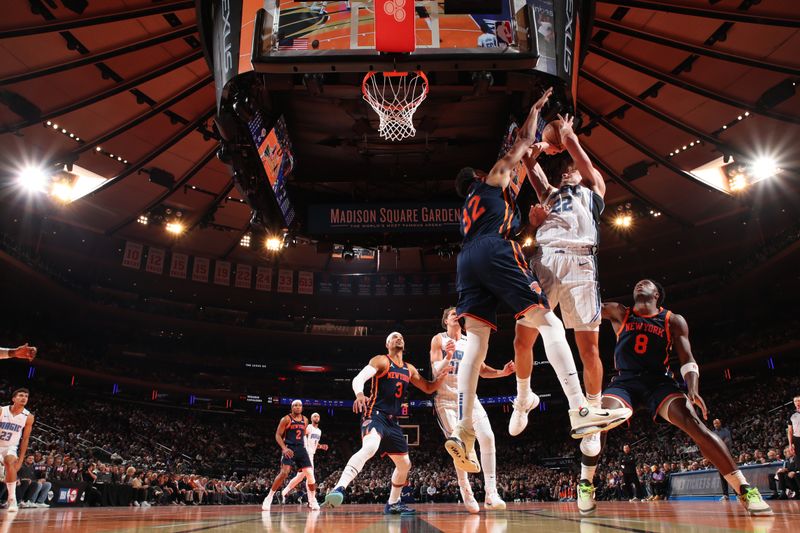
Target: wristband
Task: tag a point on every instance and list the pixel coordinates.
(690, 367)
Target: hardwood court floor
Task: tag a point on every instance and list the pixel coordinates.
(705, 517)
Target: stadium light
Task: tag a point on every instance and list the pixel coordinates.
(176, 228)
(527, 242)
(763, 168)
(62, 191)
(143, 220)
(274, 243)
(623, 221)
(33, 179)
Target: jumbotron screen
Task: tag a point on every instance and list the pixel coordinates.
(275, 151)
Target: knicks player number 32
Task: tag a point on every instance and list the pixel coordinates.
(472, 212)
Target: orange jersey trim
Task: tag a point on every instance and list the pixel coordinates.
(669, 337)
(479, 319)
(624, 321)
(534, 306)
(522, 264)
(505, 215)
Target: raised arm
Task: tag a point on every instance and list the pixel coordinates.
(615, 312)
(536, 176)
(590, 176)
(500, 174)
(679, 332)
(491, 373)
(377, 365)
(20, 352)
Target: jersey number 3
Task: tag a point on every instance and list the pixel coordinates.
(399, 392)
(468, 217)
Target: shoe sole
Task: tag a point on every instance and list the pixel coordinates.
(333, 500)
(587, 511)
(579, 433)
(766, 512)
(455, 448)
(494, 507)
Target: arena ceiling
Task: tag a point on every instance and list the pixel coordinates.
(120, 87)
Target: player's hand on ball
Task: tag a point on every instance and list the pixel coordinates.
(695, 399)
(566, 126)
(509, 368)
(543, 100)
(288, 453)
(360, 405)
(450, 348)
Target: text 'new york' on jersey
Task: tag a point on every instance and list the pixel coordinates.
(489, 210)
(644, 343)
(388, 389)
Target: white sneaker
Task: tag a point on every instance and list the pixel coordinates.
(135, 503)
(494, 502)
(751, 499)
(461, 447)
(586, 504)
(12, 507)
(267, 504)
(588, 420)
(42, 505)
(282, 498)
(313, 505)
(519, 417)
(24, 505)
(146, 504)
(472, 505)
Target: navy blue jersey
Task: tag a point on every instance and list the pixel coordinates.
(489, 211)
(295, 431)
(644, 343)
(389, 389)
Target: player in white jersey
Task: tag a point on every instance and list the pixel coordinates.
(566, 258)
(312, 444)
(15, 430)
(453, 341)
(20, 352)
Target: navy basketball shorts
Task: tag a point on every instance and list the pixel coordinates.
(300, 460)
(393, 442)
(492, 270)
(643, 390)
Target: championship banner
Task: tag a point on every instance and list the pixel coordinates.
(364, 286)
(434, 285)
(371, 218)
(382, 286)
(244, 274)
(305, 282)
(324, 283)
(417, 287)
(132, 258)
(285, 281)
(200, 269)
(179, 265)
(155, 261)
(263, 279)
(399, 287)
(222, 273)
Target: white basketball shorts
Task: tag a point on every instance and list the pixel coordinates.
(570, 282)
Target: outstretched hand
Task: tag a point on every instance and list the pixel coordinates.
(566, 126)
(508, 369)
(538, 214)
(24, 352)
(543, 100)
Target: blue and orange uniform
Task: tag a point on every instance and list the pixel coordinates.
(387, 393)
(293, 438)
(641, 359)
(492, 267)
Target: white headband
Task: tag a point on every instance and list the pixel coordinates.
(390, 336)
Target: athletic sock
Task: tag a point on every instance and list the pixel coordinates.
(594, 399)
(12, 492)
(587, 473)
(560, 357)
(394, 494)
(349, 473)
(469, 369)
(489, 465)
(524, 388)
(736, 479)
(270, 496)
(463, 481)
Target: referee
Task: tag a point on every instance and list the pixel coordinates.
(793, 430)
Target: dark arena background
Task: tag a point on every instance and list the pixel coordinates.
(204, 218)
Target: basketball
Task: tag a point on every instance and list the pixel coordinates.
(315, 44)
(551, 134)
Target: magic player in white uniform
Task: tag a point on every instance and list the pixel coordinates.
(312, 444)
(454, 341)
(566, 258)
(15, 430)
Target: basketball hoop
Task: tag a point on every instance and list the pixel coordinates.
(395, 96)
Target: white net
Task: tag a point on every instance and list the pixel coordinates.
(395, 96)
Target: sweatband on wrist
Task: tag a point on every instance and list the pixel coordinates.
(690, 367)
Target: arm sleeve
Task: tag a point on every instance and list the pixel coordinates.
(366, 373)
(4, 353)
(437, 366)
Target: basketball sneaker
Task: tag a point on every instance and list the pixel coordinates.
(313, 504)
(334, 498)
(586, 504)
(12, 507)
(398, 508)
(588, 420)
(267, 504)
(282, 497)
(461, 447)
(469, 501)
(519, 417)
(752, 501)
(494, 502)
